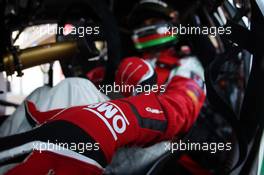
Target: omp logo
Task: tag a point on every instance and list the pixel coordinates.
(111, 115)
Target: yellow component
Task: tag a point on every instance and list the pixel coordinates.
(39, 55)
(192, 95)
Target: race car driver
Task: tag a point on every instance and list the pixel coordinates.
(141, 120)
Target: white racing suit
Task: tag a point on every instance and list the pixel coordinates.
(69, 92)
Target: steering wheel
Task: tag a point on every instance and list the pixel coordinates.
(99, 47)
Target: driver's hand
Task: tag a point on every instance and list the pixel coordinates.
(134, 71)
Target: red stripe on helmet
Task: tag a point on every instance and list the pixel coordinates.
(151, 37)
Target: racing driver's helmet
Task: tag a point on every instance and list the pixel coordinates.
(152, 22)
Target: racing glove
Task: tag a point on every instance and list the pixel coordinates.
(134, 71)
